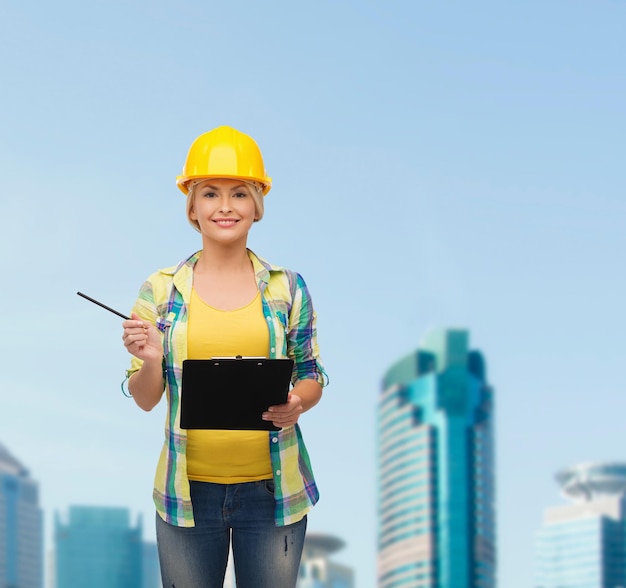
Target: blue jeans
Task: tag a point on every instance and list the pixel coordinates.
(265, 556)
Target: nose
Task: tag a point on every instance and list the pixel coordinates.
(225, 203)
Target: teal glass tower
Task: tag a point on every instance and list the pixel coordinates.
(98, 548)
(21, 526)
(436, 489)
(583, 544)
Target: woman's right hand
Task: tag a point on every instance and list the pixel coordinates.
(142, 339)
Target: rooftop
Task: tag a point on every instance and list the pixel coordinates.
(322, 543)
(586, 481)
(9, 464)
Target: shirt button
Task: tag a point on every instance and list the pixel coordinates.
(273, 349)
(274, 439)
(278, 472)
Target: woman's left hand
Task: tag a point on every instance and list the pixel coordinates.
(285, 415)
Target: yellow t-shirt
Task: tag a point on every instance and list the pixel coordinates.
(227, 457)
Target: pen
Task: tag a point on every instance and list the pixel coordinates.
(103, 305)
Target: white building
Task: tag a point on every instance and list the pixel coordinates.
(583, 544)
(317, 570)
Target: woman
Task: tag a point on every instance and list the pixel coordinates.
(254, 486)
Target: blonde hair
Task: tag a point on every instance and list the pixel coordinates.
(256, 192)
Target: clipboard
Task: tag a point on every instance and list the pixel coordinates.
(232, 393)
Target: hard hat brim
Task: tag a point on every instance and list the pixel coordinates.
(182, 181)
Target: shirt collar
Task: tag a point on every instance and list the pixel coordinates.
(183, 272)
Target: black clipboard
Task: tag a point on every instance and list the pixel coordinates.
(232, 393)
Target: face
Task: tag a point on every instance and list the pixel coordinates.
(224, 209)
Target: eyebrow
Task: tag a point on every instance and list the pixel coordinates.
(238, 187)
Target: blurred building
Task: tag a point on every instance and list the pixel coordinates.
(21, 526)
(98, 547)
(317, 570)
(583, 544)
(150, 566)
(436, 507)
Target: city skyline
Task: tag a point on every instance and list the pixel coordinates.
(434, 165)
(98, 545)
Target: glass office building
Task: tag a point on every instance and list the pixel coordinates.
(583, 544)
(21, 526)
(98, 547)
(436, 507)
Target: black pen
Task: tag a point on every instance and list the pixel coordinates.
(103, 306)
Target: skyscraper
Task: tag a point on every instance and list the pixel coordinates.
(21, 526)
(436, 507)
(98, 548)
(583, 544)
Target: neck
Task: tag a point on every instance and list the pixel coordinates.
(216, 257)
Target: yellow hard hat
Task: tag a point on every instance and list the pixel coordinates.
(224, 152)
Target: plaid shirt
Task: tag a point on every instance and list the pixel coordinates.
(163, 301)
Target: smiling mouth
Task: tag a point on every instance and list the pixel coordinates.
(225, 222)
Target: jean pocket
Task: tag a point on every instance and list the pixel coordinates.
(269, 486)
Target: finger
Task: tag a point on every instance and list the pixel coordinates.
(278, 408)
(275, 417)
(133, 321)
(281, 419)
(139, 338)
(284, 422)
(138, 322)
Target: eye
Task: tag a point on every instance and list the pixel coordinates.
(239, 195)
(209, 195)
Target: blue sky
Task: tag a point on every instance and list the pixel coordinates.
(435, 165)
